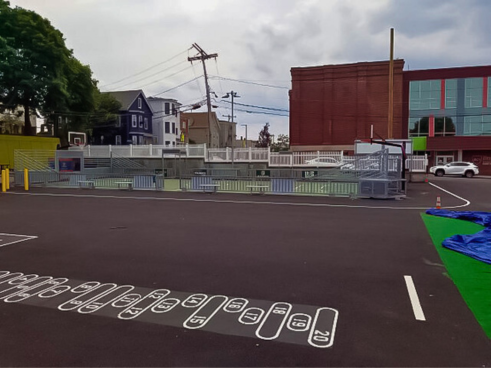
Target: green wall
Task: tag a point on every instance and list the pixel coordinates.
(9, 143)
(419, 143)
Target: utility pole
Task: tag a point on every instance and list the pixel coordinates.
(390, 125)
(232, 94)
(203, 56)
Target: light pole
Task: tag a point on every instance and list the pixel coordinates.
(245, 125)
(232, 94)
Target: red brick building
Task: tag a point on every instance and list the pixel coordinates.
(331, 106)
(447, 111)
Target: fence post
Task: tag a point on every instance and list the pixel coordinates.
(150, 150)
(26, 179)
(4, 185)
(131, 150)
(205, 153)
(269, 157)
(110, 150)
(250, 154)
(7, 178)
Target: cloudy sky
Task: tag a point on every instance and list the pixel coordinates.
(145, 44)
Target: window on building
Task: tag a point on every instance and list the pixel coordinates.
(473, 92)
(139, 102)
(424, 95)
(133, 121)
(418, 127)
(167, 127)
(140, 121)
(444, 126)
(118, 140)
(477, 125)
(140, 140)
(167, 108)
(174, 110)
(134, 139)
(118, 122)
(173, 128)
(451, 93)
(167, 143)
(145, 123)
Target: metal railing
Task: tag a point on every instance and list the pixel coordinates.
(227, 155)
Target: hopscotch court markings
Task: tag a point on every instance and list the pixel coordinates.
(9, 239)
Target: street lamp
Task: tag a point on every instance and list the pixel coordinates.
(233, 95)
(245, 125)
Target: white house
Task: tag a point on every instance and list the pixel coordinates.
(165, 121)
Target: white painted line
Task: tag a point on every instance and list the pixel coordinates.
(452, 194)
(277, 316)
(413, 295)
(25, 237)
(264, 203)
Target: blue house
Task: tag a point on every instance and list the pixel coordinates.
(134, 122)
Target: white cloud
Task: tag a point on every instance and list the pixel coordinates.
(259, 41)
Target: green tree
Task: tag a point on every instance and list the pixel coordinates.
(105, 116)
(37, 70)
(282, 143)
(264, 139)
(79, 104)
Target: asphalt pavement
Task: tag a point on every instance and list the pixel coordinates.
(120, 278)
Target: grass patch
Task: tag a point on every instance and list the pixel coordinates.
(472, 277)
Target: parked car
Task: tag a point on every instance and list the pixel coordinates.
(324, 162)
(361, 165)
(467, 169)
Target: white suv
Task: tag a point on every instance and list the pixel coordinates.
(467, 169)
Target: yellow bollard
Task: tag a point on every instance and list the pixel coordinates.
(4, 185)
(26, 179)
(7, 177)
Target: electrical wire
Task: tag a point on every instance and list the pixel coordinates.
(258, 107)
(180, 85)
(247, 82)
(150, 68)
(152, 75)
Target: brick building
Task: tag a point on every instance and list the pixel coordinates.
(447, 112)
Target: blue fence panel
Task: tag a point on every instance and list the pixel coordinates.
(197, 181)
(282, 185)
(143, 181)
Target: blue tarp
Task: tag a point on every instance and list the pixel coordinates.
(477, 245)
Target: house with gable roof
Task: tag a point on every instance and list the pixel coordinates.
(133, 124)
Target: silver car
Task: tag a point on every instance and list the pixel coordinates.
(323, 162)
(467, 169)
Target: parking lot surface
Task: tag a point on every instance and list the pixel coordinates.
(112, 278)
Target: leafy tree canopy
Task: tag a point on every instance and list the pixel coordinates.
(282, 143)
(37, 70)
(264, 139)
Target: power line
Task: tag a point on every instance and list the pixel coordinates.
(248, 82)
(258, 107)
(150, 68)
(180, 85)
(152, 75)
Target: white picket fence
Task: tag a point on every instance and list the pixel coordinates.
(227, 155)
